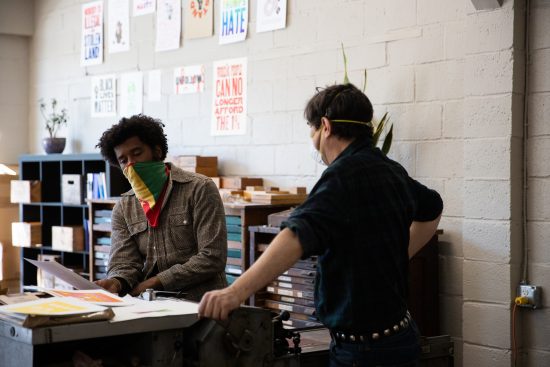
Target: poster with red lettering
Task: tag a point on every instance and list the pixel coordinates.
(189, 79)
(229, 99)
(91, 51)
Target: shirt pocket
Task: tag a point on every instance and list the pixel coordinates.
(138, 231)
(182, 235)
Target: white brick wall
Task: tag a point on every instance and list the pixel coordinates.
(444, 71)
(14, 94)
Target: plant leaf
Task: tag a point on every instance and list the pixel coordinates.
(378, 129)
(387, 141)
(346, 79)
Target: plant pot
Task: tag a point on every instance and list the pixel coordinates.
(53, 145)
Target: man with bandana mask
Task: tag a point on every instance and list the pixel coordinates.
(364, 219)
(169, 231)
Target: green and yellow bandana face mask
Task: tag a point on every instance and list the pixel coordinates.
(149, 181)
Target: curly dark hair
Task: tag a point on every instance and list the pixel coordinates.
(345, 102)
(147, 129)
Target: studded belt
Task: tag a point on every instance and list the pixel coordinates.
(349, 337)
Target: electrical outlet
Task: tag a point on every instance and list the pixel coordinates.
(529, 296)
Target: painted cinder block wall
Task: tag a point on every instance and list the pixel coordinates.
(451, 78)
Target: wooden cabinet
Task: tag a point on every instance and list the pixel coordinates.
(423, 300)
(52, 211)
(239, 217)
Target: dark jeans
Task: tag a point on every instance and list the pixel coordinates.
(400, 350)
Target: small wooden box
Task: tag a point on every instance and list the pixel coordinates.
(207, 171)
(196, 161)
(72, 189)
(45, 279)
(25, 191)
(26, 234)
(68, 238)
(240, 183)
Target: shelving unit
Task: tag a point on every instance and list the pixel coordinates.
(239, 217)
(51, 211)
(99, 233)
(423, 300)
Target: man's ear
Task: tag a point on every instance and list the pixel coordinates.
(157, 153)
(326, 125)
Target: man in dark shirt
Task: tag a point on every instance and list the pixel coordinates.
(364, 218)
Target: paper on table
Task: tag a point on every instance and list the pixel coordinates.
(55, 306)
(95, 296)
(58, 270)
(142, 309)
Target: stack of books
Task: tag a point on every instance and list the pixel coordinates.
(234, 264)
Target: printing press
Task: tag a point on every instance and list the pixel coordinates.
(250, 337)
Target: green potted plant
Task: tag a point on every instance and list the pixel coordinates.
(54, 119)
(378, 126)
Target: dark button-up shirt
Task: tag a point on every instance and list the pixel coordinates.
(186, 251)
(357, 219)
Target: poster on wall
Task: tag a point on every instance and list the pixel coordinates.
(154, 83)
(103, 97)
(199, 19)
(233, 21)
(142, 7)
(229, 100)
(270, 15)
(131, 94)
(189, 79)
(119, 26)
(168, 25)
(91, 51)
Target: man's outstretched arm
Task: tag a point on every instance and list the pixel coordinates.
(281, 254)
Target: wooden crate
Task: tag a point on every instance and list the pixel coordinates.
(72, 189)
(239, 183)
(26, 234)
(25, 191)
(68, 238)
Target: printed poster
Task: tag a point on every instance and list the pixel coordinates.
(199, 18)
(168, 25)
(119, 26)
(91, 51)
(270, 15)
(95, 296)
(189, 79)
(142, 7)
(154, 86)
(131, 94)
(54, 306)
(233, 21)
(103, 96)
(229, 101)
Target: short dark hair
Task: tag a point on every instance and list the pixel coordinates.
(341, 102)
(147, 129)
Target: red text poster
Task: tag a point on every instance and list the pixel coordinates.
(229, 100)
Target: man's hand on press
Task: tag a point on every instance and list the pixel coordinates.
(218, 304)
(153, 283)
(111, 285)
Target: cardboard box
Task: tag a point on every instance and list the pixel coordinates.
(240, 183)
(207, 171)
(5, 187)
(25, 191)
(72, 189)
(11, 255)
(216, 181)
(45, 279)
(195, 161)
(26, 234)
(68, 238)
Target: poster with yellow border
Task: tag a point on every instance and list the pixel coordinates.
(55, 306)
